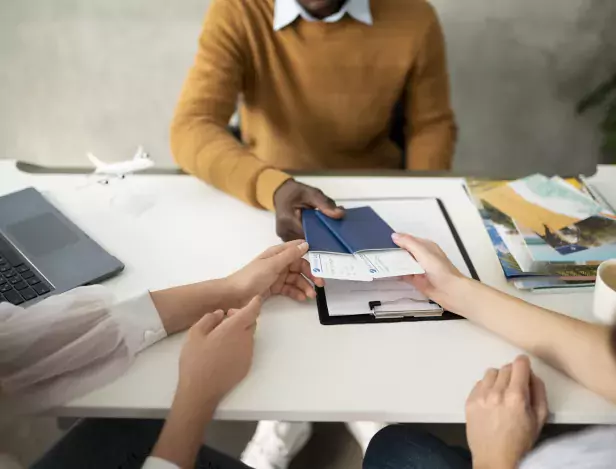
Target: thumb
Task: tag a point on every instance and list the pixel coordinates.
(247, 316)
(277, 249)
(209, 322)
(539, 398)
(291, 253)
(408, 242)
(317, 199)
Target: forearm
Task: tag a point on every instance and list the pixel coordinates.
(432, 131)
(180, 307)
(182, 435)
(565, 343)
(200, 141)
(499, 465)
(203, 147)
(432, 147)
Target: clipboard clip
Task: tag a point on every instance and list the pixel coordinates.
(405, 308)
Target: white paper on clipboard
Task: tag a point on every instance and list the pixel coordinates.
(419, 217)
(347, 298)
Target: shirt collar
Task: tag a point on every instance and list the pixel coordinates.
(287, 11)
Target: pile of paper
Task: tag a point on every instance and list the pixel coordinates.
(548, 233)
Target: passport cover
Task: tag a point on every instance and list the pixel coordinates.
(361, 229)
(318, 236)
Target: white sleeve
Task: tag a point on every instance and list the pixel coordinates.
(594, 448)
(157, 463)
(140, 321)
(68, 345)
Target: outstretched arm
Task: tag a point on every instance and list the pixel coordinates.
(566, 343)
(581, 350)
(200, 141)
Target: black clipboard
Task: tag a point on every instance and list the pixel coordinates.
(328, 320)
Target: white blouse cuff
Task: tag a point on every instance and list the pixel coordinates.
(140, 321)
(157, 463)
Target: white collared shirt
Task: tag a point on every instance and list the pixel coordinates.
(287, 11)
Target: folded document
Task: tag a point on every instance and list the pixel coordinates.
(357, 247)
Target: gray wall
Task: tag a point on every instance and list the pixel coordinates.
(92, 75)
(103, 76)
(518, 69)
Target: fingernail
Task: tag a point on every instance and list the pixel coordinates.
(303, 247)
(395, 236)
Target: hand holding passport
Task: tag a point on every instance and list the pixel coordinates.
(357, 247)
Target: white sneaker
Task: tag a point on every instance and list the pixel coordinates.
(363, 432)
(275, 444)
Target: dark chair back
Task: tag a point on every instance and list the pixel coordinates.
(396, 131)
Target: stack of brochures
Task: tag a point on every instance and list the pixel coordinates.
(550, 234)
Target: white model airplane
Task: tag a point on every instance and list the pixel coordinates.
(139, 162)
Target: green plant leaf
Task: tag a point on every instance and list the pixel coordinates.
(609, 144)
(609, 120)
(598, 96)
(608, 126)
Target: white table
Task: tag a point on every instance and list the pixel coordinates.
(177, 230)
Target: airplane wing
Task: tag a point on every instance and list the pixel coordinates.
(98, 164)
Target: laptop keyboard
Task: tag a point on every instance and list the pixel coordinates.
(18, 282)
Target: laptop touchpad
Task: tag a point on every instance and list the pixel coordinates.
(41, 235)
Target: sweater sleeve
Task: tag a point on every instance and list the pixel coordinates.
(432, 134)
(200, 141)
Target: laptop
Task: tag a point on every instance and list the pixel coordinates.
(43, 253)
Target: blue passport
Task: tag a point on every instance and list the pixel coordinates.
(361, 229)
(364, 240)
(318, 236)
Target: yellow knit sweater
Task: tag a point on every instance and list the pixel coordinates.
(314, 95)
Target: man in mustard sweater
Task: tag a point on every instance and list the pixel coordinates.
(319, 81)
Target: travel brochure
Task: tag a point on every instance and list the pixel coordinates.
(549, 234)
(541, 204)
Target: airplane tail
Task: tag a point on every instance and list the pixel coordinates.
(140, 154)
(98, 164)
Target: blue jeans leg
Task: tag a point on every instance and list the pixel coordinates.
(403, 447)
(118, 444)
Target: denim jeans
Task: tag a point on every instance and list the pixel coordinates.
(118, 444)
(403, 447)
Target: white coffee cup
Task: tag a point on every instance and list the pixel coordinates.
(605, 293)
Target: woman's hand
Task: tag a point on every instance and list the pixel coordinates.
(217, 354)
(215, 358)
(281, 270)
(440, 274)
(505, 413)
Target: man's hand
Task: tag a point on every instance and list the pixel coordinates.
(280, 270)
(289, 200)
(440, 272)
(217, 354)
(505, 413)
